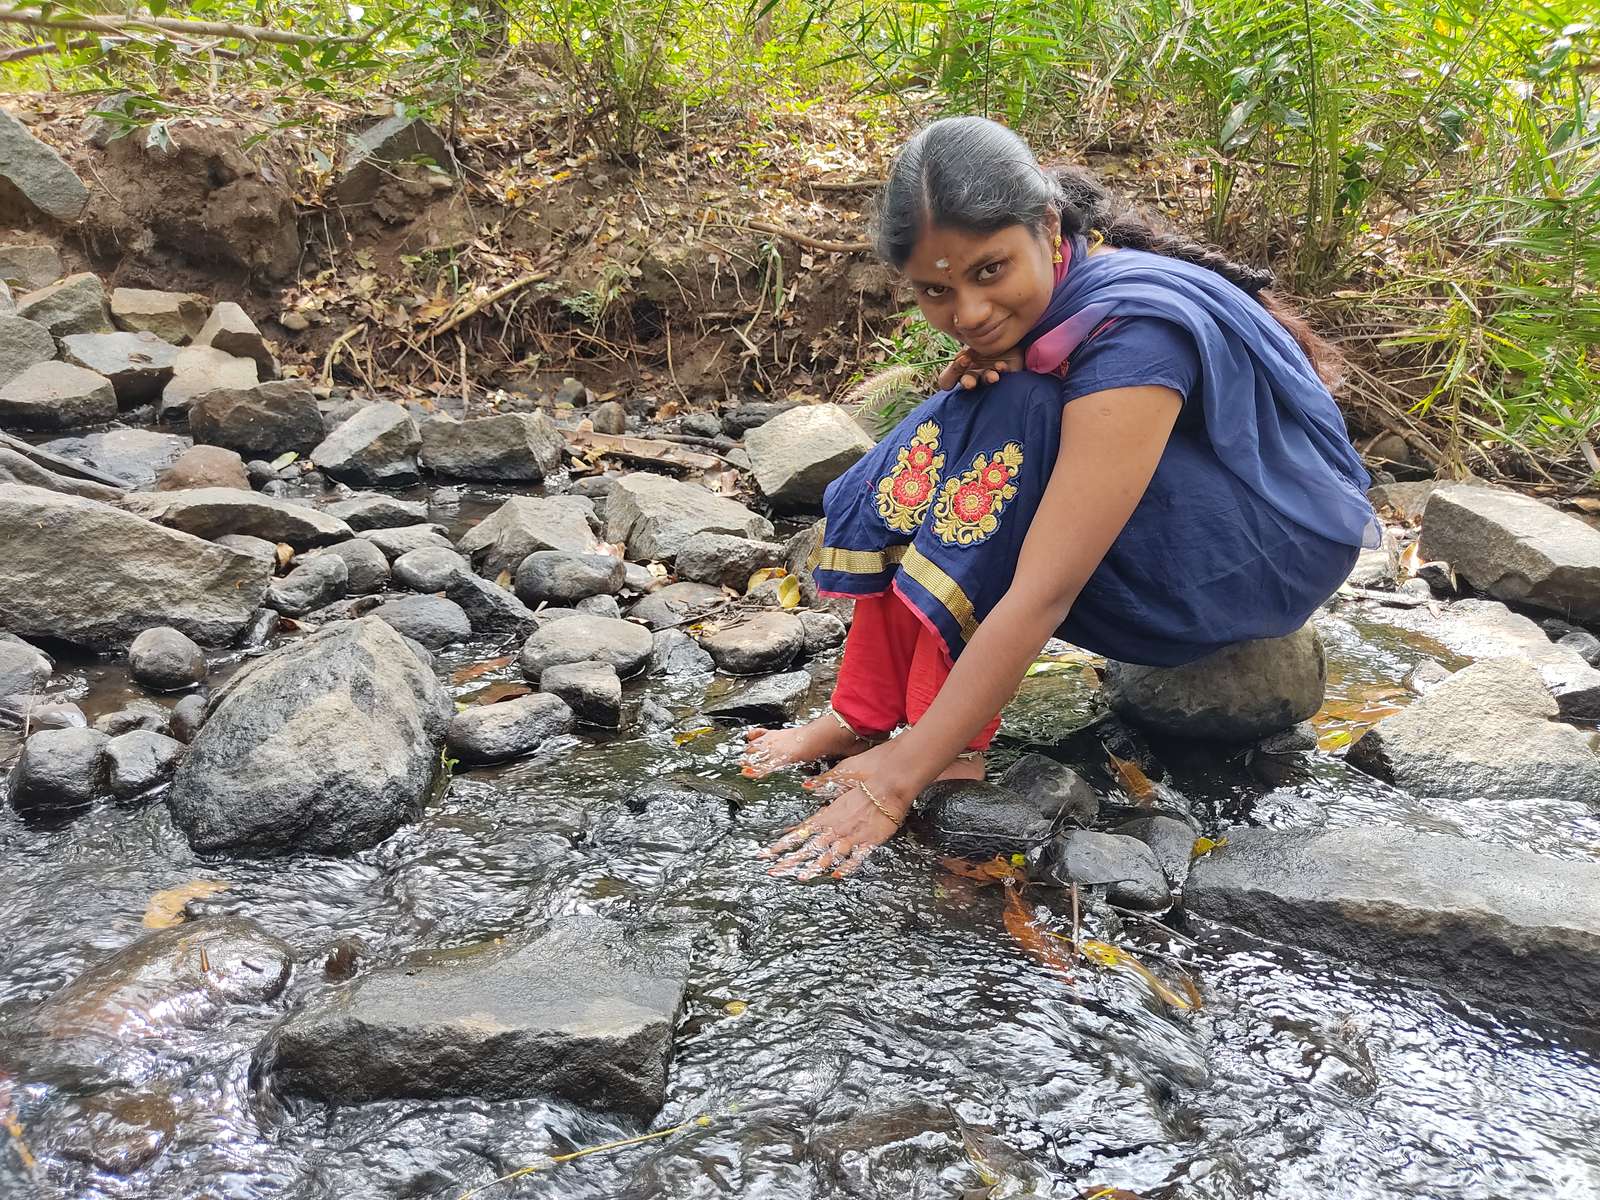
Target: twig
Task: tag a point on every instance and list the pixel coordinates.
(339, 343)
(843, 185)
(22, 52)
(15, 15)
(477, 306)
(806, 240)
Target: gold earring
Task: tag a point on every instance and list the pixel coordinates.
(1056, 244)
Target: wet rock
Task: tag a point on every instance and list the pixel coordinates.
(718, 558)
(674, 653)
(348, 609)
(369, 510)
(141, 760)
(654, 516)
(489, 733)
(59, 770)
(823, 631)
(610, 418)
(1170, 840)
(95, 575)
(775, 700)
(1516, 549)
(431, 620)
(29, 268)
(747, 416)
(1297, 739)
(429, 569)
(134, 715)
(75, 305)
(229, 328)
(1425, 676)
(366, 569)
(525, 524)
(490, 608)
(581, 638)
(23, 344)
(18, 468)
(1125, 865)
(198, 370)
(1584, 644)
(677, 604)
(187, 717)
(56, 395)
(24, 669)
(102, 1027)
(1238, 694)
(137, 364)
(373, 156)
(800, 452)
(1378, 568)
(213, 512)
(120, 1131)
(508, 448)
(584, 1012)
(977, 820)
(257, 548)
(27, 710)
(261, 420)
(1490, 730)
(1489, 922)
(172, 316)
(204, 467)
(318, 580)
(1053, 788)
(396, 540)
(34, 175)
(590, 689)
(377, 446)
(600, 606)
(557, 577)
(166, 660)
(262, 630)
(767, 641)
(326, 745)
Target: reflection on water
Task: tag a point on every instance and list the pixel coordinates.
(888, 1032)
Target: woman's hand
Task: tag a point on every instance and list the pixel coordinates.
(840, 836)
(968, 369)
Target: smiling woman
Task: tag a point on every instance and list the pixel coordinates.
(1136, 451)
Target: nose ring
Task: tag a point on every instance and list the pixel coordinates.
(955, 321)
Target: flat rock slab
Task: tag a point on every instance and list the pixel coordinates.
(213, 512)
(56, 395)
(775, 700)
(583, 1013)
(136, 456)
(75, 305)
(508, 448)
(92, 574)
(137, 364)
(654, 516)
(395, 540)
(370, 510)
(1504, 926)
(768, 641)
(1515, 548)
(172, 316)
(798, 453)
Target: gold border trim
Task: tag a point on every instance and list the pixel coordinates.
(858, 562)
(943, 589)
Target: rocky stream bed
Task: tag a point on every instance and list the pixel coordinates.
(375, 828)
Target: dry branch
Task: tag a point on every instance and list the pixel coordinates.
(477, 306)
(813, 243)
(22, 15)
(39, 48)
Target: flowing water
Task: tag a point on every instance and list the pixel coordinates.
(881, 1037)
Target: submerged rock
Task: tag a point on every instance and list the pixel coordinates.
(765, 642)
(1126, 866)
(1053, 787)
(120, 1131)
(95, 575)
(59, 770)
(1500, 925)
(1238, 694)
(775, 700)
(583, 1012)
(653, 516)
(1489, 730)
(140, 760)
(798, 453)
(489, 733)
(977, 820)
(1170, 840)
(326, 745)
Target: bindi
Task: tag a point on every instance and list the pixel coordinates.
(943, 264)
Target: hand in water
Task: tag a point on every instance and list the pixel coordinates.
(839, 837)
(969, 369)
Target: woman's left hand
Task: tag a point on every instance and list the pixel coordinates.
(840, 836)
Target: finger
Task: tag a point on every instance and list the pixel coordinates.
(835, 854)
(805, 854)
(852, 864)
(968, 381)
(992, 375)
(797, 836)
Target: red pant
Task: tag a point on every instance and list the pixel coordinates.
(893, 668)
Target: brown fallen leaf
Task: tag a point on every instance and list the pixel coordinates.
(496, 692)
(1021, 925)
(1133, 780)
(166, 907)
(476, 670)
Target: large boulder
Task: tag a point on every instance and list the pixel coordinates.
(506, 448)
(1493, 923)
(75, 305)
(213, 512)
(654, 516)
(524, 524)
(376, 447)
(1489, 730)
(56, 395)
(1238, 694)
(259, 421)
(798, 453)
(326, 745)
(136, 456)
(137, 364)
(35, 177)
(1515, 548)
(172, 316)
(23, 344)
(584, 1012)
(92, 574)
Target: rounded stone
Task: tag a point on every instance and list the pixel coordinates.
(431, 620)
(486, 733)
(429, 569)
(59, 769)
(591, 690)
(768, 641)
(166, 660)
(583, 638)
(558, 577)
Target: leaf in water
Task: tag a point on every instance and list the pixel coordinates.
(763, 576)
(1021, 925)
(1204, 845)
(1134, 781)
(496, 692)
(1108, 1193)
(735, 1008)
(1335, 739)
(283, 460)
(476, 670)
(789, 592)
(688, 735)
(1109, 956)
(995, 869)
(503, 581)
(166, 907)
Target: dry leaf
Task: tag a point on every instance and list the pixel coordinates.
(1021, 925)
(1111, 957)
(1134, 781)
(995, 870)
(735, 1008)
(503, 580)
(763, 576)
(166, 907)
(496, 692)
(477, 670)
(789, 592)
(1204, 845)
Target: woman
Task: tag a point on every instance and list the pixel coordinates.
(1168, 475)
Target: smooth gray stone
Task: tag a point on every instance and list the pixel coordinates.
(653, 516)
(582, 638)
(429, 569)
(488, 733)
(59, 770)
(214, 511)
(1129, 869)
(590, 689)
(166, 660)
(774, 700)
(431, 620)
(756, 645)
(141, 760)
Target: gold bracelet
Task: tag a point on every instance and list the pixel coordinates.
(894, 820)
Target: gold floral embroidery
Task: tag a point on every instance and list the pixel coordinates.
(904, 494)
(969, 506)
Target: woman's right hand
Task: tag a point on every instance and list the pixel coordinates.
(969, 369)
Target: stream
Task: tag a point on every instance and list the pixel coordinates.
(880, 1037)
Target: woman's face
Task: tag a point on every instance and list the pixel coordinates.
(986, 290)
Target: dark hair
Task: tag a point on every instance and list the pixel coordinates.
(977, 175)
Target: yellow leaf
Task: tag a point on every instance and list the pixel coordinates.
(284, 552)
(1204, 845)
(1411, 559)
(762, 576)
(1107, 955)
(689, 735)
(789, 592)
(735, 1008)
(166, 907)
(503, 580)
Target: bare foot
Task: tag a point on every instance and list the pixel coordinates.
(769, 750)
(964, 768)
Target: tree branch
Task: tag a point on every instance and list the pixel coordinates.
(20, 15)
